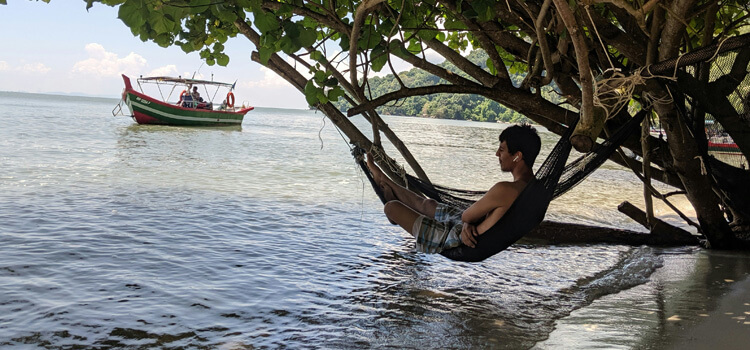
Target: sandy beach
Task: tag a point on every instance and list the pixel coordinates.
(698, 299)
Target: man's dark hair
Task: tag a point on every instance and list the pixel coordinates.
(522, 137)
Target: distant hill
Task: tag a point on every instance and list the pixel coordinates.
(442, 106)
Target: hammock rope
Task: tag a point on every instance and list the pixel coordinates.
(553, 178)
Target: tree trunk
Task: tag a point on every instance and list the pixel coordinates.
(690, 168)
(550, 232)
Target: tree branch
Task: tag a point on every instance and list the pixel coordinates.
(359, 18)
(581, 50)
(418, 91)
(484, 41)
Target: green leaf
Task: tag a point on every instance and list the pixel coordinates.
(222, 60)
(335, 93)
(265, 21)
(319, 77)
(331, 82)
(369, 39)
(187, 47)
(132, 15)
(199, 6)
(287, 45)
(491, 67)
(414, 47)
(321, 95)
(344, 43)
(223, 13)
(311, 93)
(163, 40)
(398, 49)
(265, 55)
(378, 58)
(428, 34)
(316, 56)
(307, 37)
(160, 23)
(291, 29)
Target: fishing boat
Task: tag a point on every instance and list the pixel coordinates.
(189, 109)
(723, 148)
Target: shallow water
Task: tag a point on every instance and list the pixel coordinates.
(115, 234)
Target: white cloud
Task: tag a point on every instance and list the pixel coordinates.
(36, 68)
(4, 66)
(168, 70)
(270, 80)
(102, 63)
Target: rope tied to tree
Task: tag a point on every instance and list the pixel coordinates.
(614, 92)
(703, 165)
(380, 157)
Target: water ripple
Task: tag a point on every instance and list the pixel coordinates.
(141, 237)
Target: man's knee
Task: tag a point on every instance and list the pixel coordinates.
(430, 203)
(392, 207)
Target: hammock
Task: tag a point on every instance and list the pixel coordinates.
(719, 105)
(553, 179)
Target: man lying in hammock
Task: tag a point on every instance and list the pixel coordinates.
(437, 226)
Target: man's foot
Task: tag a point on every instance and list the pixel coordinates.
(388, 194)
(377, 174)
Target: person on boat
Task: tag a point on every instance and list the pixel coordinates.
(198, 100)
(196, 95)
(437, 226)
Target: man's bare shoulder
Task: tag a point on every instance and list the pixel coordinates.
(516, 186)
(507, 190)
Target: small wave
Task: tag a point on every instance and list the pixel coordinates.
(632, 270)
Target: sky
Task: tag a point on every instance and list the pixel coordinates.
(61, 48)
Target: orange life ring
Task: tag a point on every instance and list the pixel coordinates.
(182, 95)
(230, 100)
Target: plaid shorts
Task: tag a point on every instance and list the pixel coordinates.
(443, 232)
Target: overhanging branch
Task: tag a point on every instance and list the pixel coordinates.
(418, 91)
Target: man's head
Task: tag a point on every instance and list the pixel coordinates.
(195, 88)
(522, 138)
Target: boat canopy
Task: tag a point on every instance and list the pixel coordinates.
(184, 81)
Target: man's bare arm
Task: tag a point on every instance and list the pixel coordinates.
(502, 194)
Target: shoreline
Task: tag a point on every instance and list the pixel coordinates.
(698, 299)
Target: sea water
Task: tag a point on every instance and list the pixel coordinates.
(114, 234)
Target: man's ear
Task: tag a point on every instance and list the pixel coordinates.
(518, 156)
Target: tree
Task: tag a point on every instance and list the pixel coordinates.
(566, 43)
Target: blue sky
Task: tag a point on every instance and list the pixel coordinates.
(61, 48)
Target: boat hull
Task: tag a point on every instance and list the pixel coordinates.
(147, 110)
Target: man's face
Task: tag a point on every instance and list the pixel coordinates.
(504, 157)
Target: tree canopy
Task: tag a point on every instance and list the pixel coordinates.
(328, 50)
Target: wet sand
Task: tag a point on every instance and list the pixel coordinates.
(727, 327)
(698, 299)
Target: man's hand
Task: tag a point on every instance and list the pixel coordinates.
(469, 235)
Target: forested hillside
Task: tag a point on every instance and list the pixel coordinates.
(443, 106)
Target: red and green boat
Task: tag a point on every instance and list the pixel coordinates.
(187, 111)
(723, 148)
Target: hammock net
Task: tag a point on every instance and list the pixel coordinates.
(710, 87)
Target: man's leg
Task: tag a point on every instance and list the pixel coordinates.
(408, 199)
(398, 213)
